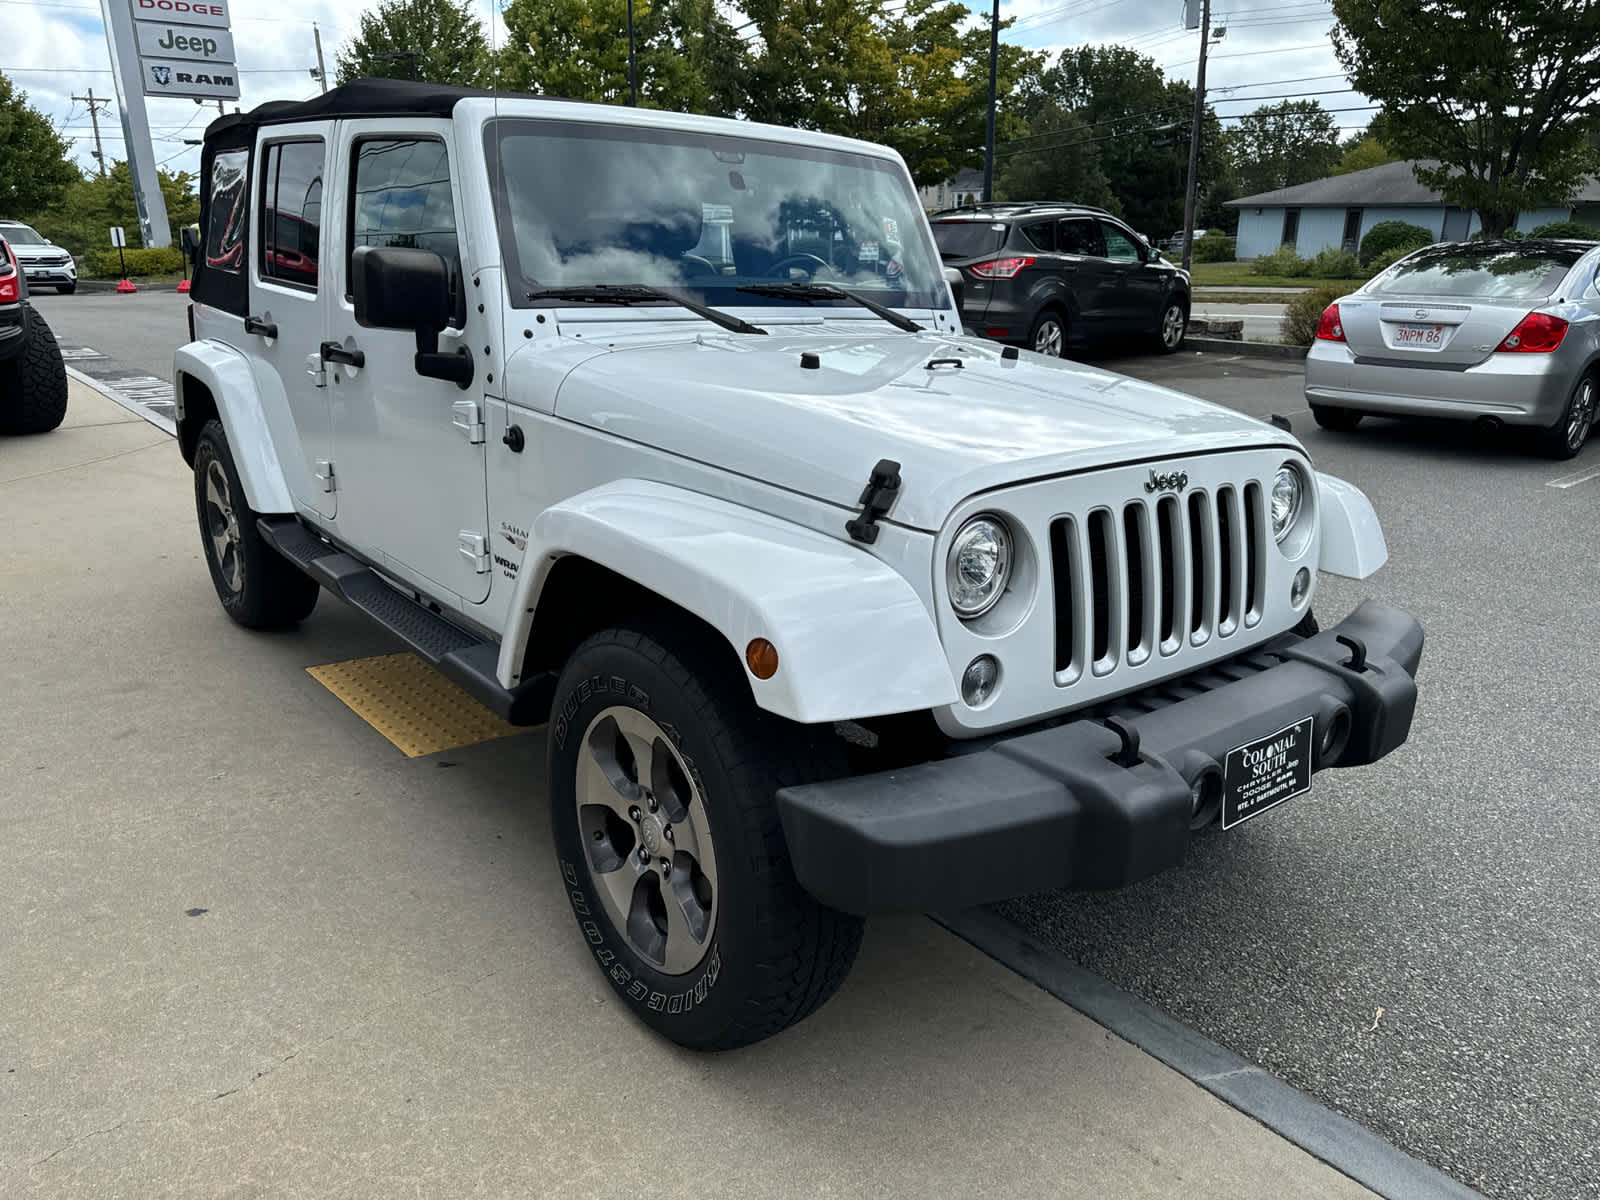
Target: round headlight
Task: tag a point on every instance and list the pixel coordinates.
(978, 566)
(1288, 491)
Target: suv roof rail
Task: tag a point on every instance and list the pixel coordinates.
(1021, 206)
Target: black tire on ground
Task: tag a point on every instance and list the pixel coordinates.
(1341, 420)
(1571, 431)
(66, 289)
(1172, 328)
(1307, 626)
(761, 953)
(1048, 336)
(258, 587)
(33, 385)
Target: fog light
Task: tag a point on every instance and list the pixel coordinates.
(1299, 587)
(980, 680)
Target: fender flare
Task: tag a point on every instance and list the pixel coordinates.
(853, 638)
(226, 373)
(1352, 538)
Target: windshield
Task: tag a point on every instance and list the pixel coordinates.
(1486, 272)
(967, 239)
(22, 235)
(580, 204)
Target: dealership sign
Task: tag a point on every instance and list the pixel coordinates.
(185, 49)
(213, 13)
(160, 39)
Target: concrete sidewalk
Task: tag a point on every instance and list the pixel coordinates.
(250, 949)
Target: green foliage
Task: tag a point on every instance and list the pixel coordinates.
(1368, 152)
(1505, 96)
(1387, 259)
(1393, 235)
(440, 41)
(1064, 167)
(34, 169)
(1282, 262)
(1214, 247)
(1302, 314)
(1568, 229)
(82, 219)
(1334, 264)
(1280, 145)
(104, 264)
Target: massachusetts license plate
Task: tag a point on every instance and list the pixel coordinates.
(1419, 335)
(1264, 773)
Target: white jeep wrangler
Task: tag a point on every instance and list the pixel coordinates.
(662, 429)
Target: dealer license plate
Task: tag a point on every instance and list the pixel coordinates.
(1264, 773)
(1430, 336)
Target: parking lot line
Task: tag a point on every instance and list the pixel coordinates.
(1574, 479)
(411, 704)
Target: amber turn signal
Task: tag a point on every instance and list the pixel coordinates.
(762, 656)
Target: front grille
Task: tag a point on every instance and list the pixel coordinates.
(1154, 577)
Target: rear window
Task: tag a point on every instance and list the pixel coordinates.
(967, 239)
(1490, 272)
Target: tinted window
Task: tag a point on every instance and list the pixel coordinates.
(401, 197)
(22, 235)
(291, 212)
(226, 211)
(1042, 235)
(1119, 246)
(1489, 272)
(967, 239)
(1082, 236)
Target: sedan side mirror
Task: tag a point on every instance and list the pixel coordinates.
(396, 287)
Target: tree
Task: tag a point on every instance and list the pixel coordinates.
(90, 206)
(1058, 160)
(34, 168)
(1502, 94)
(1366, 152)
(1280, 145)
(687, 57)
(440, 41)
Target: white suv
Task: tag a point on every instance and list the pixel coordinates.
(662, 429)
(43, 262)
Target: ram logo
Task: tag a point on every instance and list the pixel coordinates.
(163, 75)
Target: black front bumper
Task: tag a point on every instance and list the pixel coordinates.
(1053, 808)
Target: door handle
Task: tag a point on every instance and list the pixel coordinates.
(266, 329)
(335, 353)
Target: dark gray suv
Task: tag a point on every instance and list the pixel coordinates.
(1046, 274)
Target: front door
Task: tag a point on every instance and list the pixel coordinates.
(288, 293)
(1139, 286)
(409, 451)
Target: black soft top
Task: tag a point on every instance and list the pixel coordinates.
(358, 98)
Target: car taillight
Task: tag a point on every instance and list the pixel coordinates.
(1000, 268)
(10, 291)
(1330, 328)
(1536, 333)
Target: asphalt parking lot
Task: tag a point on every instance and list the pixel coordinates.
(1414, 944)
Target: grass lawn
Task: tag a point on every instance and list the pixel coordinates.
(1236, 275)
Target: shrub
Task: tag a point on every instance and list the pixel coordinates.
(1391, 235)
(1568, 229)
(1386, 260)
(1304, 311)
(104, 264)
(1215, 247)
(1282, 261)
(1335, 264)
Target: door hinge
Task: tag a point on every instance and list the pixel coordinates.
(318, 370)
(475, 549)
(469, 419)
(324, 475)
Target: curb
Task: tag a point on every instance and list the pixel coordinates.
(1248, 349)
(110, 285)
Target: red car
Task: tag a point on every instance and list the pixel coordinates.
(33, 377)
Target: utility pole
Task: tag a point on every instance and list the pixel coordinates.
(633, 86)
(94, 119)
(988, 137)
(1194, 135)
(322, 71)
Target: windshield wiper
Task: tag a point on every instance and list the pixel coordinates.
(812, 292)
(635, 293)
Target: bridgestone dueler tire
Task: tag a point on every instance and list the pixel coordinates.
(271, 592)
(33, 386)
(774, 955)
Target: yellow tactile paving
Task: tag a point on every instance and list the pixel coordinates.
(411, 704)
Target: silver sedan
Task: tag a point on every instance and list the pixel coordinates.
(1503, 332)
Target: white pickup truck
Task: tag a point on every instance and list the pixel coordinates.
(662, 429)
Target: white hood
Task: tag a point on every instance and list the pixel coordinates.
(746, 404)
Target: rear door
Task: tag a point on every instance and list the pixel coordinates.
(1084, 252)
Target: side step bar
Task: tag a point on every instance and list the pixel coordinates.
(465, 658)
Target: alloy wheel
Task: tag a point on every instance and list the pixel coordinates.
(1580, 418)
(1172, 327)
(222, 525)
(1049, 338)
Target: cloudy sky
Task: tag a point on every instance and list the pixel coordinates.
(56, 50)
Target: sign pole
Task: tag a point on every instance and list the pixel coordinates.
(152, 206)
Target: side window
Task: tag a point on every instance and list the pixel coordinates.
(227, 211)
(1042, 235)
(1081, 236)
(291, 212)
(400, 196)
(1119, 246)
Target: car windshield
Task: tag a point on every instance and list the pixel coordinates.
(1495, 271)
(967, 239)
(21, 235)
(580, 205)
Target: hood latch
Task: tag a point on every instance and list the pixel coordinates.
(877, 498)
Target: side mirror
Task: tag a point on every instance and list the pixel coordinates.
(952, 276)
(400, 288)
